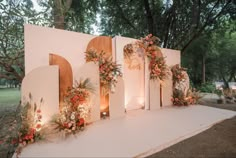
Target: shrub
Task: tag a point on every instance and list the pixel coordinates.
(218, 92)
(207, 87)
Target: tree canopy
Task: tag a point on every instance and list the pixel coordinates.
(204, 30)
(177, 23)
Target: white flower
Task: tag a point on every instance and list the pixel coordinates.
(63, 118)
(72, 117)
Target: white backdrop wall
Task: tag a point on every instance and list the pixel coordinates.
(90, 70)
(133, 79)
(40, 86)
(172, 56)
(136, 95)
(41, 41)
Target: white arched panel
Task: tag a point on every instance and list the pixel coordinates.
(133, 78)
(117, 103)
(90, 70)
(167, 91)
(42, 82)
(154, 94)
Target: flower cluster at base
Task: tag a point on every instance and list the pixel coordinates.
(182, 94)
(76, 110)
(30, 125)
(179, 99)
(109, 70)
(157, 65)
(178, 73)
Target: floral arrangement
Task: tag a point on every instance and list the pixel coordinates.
(128, 51)
(76, 110)
(132, 56)
(109, 70)
(180, 99)
(158, 69)
(30, 125)
(178, 73)
(157, 65)
(191, 96)
(92, 55)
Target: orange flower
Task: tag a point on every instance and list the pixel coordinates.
(38, 126)
(66, 125)
(81, 121)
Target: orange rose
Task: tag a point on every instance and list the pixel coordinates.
(38, 126)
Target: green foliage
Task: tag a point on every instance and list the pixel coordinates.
(218, 92)
(177, 23)
(13, 15)
(218, 50)
(81, 16)
(207, 87)
(73, 15)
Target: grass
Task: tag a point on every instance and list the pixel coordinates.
(9, 96)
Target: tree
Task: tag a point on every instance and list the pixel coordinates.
(198, 60)
(14, 13)
(215, 53)
(73, 15)
(178, 24)
(226, 64)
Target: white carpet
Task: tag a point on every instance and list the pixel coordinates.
(139, 133)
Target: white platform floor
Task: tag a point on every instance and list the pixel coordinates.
(139, 133)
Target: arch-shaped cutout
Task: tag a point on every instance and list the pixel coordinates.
(65, 75)
(102, 43)
(133, 69)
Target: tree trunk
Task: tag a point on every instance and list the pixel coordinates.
(150, 20)
(59, 10)
(203, 69)
(58, 15)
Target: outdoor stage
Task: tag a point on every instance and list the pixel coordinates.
(140, 133)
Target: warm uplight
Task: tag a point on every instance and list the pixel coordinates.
(104, 115)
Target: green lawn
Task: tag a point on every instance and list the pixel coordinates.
(9, 96)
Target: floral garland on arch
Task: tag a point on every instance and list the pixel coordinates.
(132, 58)
(158, 69)
(148, 46)
(157, 65)
(109, 71)
(76, 110)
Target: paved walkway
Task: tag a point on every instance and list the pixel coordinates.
(140, 133)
